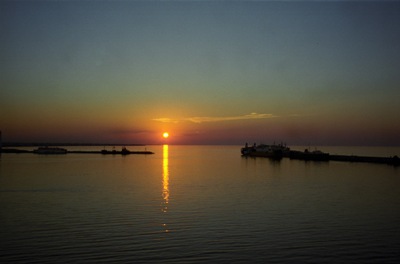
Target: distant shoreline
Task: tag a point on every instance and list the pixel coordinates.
(14, 144)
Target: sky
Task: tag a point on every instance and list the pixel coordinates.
(208, 72)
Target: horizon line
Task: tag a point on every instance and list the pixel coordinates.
(38, 144)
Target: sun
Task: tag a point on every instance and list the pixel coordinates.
(165, 135)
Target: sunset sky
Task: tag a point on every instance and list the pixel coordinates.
(207, 72)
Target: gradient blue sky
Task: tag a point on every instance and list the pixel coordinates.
(208, 72)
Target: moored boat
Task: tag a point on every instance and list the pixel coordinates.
(269, 151)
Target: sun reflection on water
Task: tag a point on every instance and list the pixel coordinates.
(165, 182)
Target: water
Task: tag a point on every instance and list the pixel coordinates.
(196, 204)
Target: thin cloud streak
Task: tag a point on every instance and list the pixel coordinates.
(205, 119)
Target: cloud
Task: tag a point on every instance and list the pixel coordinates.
(129, 131)
(204, 119)
(166, 120)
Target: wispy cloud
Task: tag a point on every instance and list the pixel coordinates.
(203, 119)
(129, 131)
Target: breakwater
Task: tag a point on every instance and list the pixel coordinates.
(321, 156)
(280, 151)
(383, 160)
(103, 152)
(111, 152)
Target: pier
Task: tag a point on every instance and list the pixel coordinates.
(280, 151)
(383, 160)
(124, 151)
(321, 156)
(111, 152)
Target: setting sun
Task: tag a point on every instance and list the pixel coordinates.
(165, 135)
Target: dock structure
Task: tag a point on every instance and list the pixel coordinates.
(124, 151)
(395, 160)
(316, 155)
(52, 149)
(110, 152)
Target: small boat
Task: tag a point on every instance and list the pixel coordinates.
(47, 150)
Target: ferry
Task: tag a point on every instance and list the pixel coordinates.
(270, 151)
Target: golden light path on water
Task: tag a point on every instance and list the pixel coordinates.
(165, 183)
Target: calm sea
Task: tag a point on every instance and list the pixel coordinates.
(198, 204)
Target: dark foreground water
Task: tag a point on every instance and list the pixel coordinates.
(196, 204)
